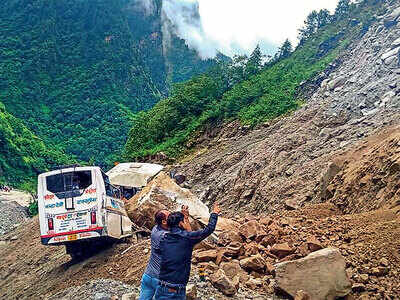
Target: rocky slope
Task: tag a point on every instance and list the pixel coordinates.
(288, 160)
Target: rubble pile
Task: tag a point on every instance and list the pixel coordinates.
(325, 254)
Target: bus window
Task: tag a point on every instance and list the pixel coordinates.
(111, 190)
(69, 184)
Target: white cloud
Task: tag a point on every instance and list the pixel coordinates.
(235, 26)
(245, 23)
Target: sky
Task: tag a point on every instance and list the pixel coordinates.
(238, 25)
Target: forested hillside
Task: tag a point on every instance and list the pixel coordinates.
(254, 89)
(75, 71)
(22, 154)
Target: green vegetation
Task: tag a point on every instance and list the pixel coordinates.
(22, 154)
(246, 89)
(75, 71)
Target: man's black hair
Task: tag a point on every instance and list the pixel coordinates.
(159, 217)
(175, 218)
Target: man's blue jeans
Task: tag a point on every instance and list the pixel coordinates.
(148, 287)
(165, 293)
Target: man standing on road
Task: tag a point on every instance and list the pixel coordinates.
(149, 282)
(150, 277)
(176, 255)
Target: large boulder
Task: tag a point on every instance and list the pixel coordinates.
(163, 193)
(322, 275)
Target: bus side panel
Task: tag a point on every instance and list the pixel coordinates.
(113, 225)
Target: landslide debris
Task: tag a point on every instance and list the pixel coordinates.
(369, 176)
(284, 160)
(246, 256)
(368, 242)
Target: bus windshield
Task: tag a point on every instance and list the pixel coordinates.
(70, 184)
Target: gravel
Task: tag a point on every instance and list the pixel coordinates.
(101, 289)
(11, 215)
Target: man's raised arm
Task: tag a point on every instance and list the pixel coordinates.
(199, 235)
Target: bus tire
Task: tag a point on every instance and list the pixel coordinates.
(75, 250)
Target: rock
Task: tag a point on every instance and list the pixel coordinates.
(270, 268)
(203, 245)
(266, 221)
(250, 229)
(210, 267)
(251, 249)
(302, 295)
(321, 274)
(358, 287)
(281, 250)
(390, 53)
(222, 283)
(115, 297)
(180, 178)
(221, 256)
(291, 204)
(384, 262)
(163, 193)
(233, 269)
(303, 250)
(191, 292)
(205, 256)
(269, 240)
(253, 263)
(335, 83)
(314, 244)
(229, 236)
(364, 278)
(379, 271)
(392, 18)
(253, 283)
(234, 249)
(101, 296)
(129, 296)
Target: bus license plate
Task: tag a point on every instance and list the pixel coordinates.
(72, 237)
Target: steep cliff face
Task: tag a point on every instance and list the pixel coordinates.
(288, 160)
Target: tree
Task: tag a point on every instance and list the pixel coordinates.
(323, 18)
(285, 50)
(342, 9)
(310, 26)
(315, 20)
(254, 63)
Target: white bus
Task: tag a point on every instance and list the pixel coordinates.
(77, 206)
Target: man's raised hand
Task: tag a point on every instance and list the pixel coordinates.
(216, 209)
